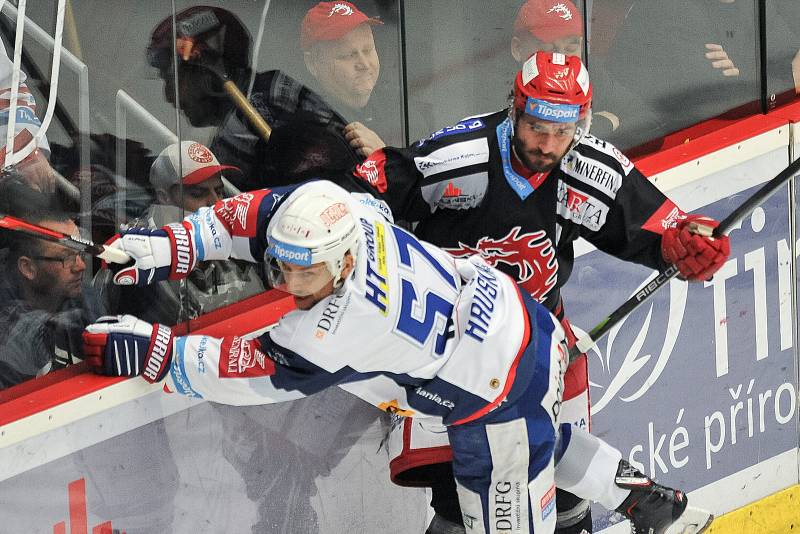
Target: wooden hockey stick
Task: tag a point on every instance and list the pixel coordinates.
(590, 339)
(111, 255)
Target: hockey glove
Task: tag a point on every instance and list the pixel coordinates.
(692, 249)
(163, 254)
(123, 345)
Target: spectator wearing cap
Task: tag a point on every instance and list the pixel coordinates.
(618, 114)
(186, 176)
(213, 44)
(201, 184)
(339, 52)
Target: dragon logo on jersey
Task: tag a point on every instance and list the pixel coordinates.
(666, 216)
(532, 254)
(372, 171)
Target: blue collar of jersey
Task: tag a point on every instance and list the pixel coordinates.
(520, 185)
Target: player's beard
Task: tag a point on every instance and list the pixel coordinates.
(535, 160)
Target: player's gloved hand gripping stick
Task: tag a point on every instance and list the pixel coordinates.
(110, 255)
(696, 226)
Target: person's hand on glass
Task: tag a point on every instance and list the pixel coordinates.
(363, 140)
(720, 60)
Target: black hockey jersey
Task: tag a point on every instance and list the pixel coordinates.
(460, 190)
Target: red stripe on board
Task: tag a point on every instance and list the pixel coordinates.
(103, 528)
(790, 112)
(725, 135)
(77, 507)
(75, 381)
(60, 528)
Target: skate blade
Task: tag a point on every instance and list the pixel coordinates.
(692, 521)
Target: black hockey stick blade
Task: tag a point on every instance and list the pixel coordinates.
(111, 255)
(590, 339)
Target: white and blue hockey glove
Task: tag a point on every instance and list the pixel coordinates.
(165, 253)
(122, 345)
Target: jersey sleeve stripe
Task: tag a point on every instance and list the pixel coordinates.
(526, 336)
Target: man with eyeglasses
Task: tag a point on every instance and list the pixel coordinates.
(43, 303)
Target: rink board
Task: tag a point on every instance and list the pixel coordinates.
(664, 386)
(698, 387)
(165, 463)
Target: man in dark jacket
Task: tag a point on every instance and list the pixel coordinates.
(44, 305)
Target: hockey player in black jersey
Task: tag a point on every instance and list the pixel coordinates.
(518, 187)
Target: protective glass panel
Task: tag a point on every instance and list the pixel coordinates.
(681, 61)
(464, 65)
(782, 52)
(98, 120)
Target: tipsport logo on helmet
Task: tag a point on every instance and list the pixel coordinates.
(290, 253)
(552, 112)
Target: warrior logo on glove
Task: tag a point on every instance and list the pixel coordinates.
(123, 345)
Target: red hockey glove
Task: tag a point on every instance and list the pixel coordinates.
(690, 247)
(122, 345)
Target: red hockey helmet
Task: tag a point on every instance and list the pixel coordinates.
(553, 87)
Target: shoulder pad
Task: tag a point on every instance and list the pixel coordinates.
(470, 124)
(611, 150)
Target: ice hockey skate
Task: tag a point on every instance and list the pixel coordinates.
(656, 509)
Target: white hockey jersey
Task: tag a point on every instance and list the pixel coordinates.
(427, 333)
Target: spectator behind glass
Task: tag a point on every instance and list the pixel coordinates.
(44, 305)
(34, 169)
(618, 114)
(307, 134)
(214, 283)
(695, 59)
(339, 52)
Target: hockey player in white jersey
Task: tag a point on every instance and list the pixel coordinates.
(402, 324)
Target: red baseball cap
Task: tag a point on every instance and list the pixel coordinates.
(197, 162)
(328, 21)
(548, 20)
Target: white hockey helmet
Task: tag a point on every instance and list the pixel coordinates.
(314, 227)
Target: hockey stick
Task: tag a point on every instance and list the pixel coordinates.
(590, 339)
(111, 255)
(192, 27)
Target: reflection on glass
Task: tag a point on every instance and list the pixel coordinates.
(186, 176)
(689, 59)
(44, 301)
(783, 51)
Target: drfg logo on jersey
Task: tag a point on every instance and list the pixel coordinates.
(532, 254)
(506, 505)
